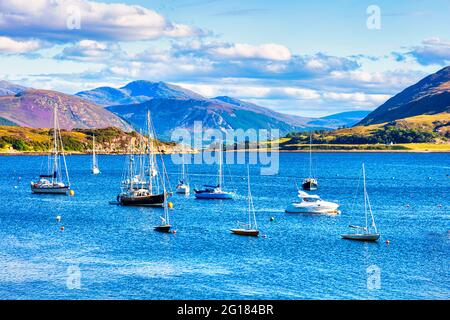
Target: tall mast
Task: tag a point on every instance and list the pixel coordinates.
(249, 198)
(365, 197)
(251, 208)
(94, 161)
(310, 155)
(150, 155)
(182, 169)
(220, 166)
(55, 145)
(131, 163)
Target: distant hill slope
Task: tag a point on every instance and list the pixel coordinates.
(8, 88)
(6, 122)
(431, 131)
(430, 95)
(108, 140)
(33, 108)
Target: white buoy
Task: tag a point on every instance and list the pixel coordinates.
(58, 218)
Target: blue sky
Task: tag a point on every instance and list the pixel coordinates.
(309, 58)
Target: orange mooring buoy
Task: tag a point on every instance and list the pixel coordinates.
(170, 205)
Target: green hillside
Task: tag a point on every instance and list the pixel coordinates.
(108, 140)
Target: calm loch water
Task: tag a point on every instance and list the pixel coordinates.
(115, 253)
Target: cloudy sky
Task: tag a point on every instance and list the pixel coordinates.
(309, 58)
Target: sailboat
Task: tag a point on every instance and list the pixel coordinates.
(94, 169)
(141, 187)
(310, 183)
(369, 232)
(165, 225)
(52, 182)
(183, 185)
(251, 227)
(215, 192)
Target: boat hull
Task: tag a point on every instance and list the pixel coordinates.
(156, 200)
(361, 237)
(245, 232)
(95, 171)
(310, 185)
(214, 196)
(50, 190)
(163, 228)
(183, 190)
(331, 210)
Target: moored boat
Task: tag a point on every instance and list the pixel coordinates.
(53, 182)
(183, 185)
(369, 232)
(310, 183)
(312, 204)
(141, 185)
(215, 192)
(141, 197)
(250, 228)
(95, 169)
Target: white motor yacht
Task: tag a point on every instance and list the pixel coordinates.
(312, 204)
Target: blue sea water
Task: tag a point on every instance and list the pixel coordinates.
(118, 255)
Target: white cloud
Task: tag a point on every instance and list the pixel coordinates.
(269, 51)
(433, 51)
(91, 51)
(356, 97)
(233, 51)
(49, 19)
(12, 46)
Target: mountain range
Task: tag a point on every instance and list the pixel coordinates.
(171, 107)
(429, 96)
(174, 107)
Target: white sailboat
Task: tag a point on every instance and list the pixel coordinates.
(94, 169)
(52, 182)
(183, 185)
(251, 227)
(369, 232)
(165, 225)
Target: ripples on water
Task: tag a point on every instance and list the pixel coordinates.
(303, 257)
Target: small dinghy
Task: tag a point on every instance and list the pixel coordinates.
(250, 228)
(367, 233)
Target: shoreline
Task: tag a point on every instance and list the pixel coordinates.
(5, 154)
